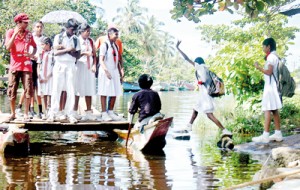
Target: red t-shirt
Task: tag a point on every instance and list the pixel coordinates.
(20, 46)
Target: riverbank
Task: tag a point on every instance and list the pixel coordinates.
(277, 159)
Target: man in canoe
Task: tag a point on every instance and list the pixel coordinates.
(147, 101)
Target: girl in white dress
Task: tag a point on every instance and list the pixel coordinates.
(205, 102)
(271, 100)
(85, 72)
(45, 69)
(109, 84)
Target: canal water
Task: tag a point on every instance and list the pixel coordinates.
(67, 161)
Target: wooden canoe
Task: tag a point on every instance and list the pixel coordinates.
(13, 139)
(152, 139)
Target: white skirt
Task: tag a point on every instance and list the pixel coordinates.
(270, 99)
(85, 81)
(109, 87)
(205, 103)
(45, 89)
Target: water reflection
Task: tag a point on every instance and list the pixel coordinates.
(81, 161)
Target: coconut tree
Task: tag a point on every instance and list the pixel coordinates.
(130, 18)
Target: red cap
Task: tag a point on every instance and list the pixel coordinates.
(21, 17)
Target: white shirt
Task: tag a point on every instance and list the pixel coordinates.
(67, 42)
(85, 48)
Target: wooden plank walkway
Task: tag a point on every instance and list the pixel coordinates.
(42, 125)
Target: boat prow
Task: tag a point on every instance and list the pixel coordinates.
(152, 138)
(13, 139)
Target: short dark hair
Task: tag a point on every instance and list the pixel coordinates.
(83, 27)
(46, 40)
(199, 60)
(145, 81)
(38, 22)
(270, 42)
(72, 22)
(112, 30)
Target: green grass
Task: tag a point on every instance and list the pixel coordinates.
(246, 124)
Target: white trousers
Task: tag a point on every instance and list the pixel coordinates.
(63, 79)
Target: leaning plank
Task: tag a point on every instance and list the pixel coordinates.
(251, 183)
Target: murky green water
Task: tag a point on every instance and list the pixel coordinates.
(64, 163)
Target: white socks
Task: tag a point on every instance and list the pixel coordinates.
(277, 132)
(266, 134)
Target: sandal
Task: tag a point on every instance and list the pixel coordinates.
(9, 119)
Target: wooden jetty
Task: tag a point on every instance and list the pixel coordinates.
(42, 125)
(14, 136)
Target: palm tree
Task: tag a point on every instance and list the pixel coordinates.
(130, 18)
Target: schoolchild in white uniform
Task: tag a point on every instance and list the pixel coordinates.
(85, 73)
(205, 101)
(66, 51)
(45, 72)
(109, 81)
(38, 28)
(271, 101)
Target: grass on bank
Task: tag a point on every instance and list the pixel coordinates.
(248, 124)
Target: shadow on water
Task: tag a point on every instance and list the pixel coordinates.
(73, 160)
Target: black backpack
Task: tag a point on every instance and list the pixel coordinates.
(285, 83)
(215, 86)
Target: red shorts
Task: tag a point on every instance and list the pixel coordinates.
(13, 83)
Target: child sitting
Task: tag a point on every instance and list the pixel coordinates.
(147, 101)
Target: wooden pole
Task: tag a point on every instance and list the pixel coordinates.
(263, 180)
(128, 134)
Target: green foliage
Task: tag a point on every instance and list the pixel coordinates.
(238, 47)
(194, 9)
(245, 124)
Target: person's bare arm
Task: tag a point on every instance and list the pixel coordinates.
(75, 54)
(103, 65)
(32, 55)
(10, 42)
(268, 71)
(60, 50)
(94, 59)
(183, 54)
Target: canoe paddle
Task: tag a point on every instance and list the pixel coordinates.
(129, 128)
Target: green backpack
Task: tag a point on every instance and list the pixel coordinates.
(286, 85)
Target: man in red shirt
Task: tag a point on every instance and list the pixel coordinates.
(18, 41)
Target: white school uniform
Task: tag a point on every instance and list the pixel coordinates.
(271, 99)
(46, 62)
(106, 86)
(64, 72)
(205, 103)
(85, 77)
(37, 40)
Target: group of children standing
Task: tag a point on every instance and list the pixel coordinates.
(63, 71)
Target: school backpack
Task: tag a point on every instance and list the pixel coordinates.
(215, 86)
(98, 62)
(286, 84)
